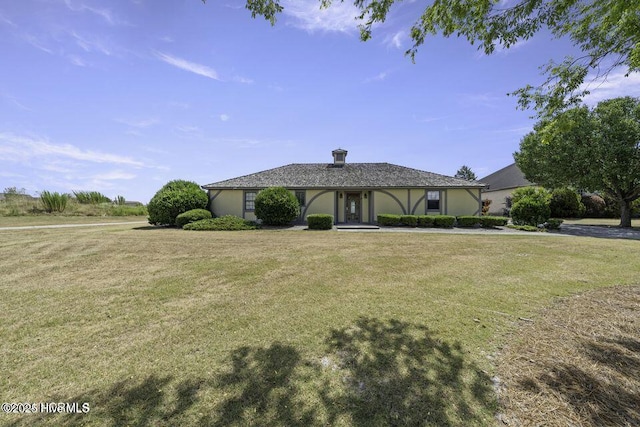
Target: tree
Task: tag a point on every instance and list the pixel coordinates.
(174, 198)
(465, 172)
(592, 149)
(276, 206)
(606, 31)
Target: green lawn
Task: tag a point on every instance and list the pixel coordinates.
(168, 327)
(27, 220)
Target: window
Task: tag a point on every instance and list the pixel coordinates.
(433, 200)
(301, 196)
(249, 200)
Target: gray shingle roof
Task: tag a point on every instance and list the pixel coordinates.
(350, 175)
(508, 177)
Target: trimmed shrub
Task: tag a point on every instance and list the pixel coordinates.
(493, 221)
(425, 221)
(530, 211)
(594, 206)
(566, 203)
(276, 206)
(223, 223)
(444, 221)
(409, 220)
(468, 221)
(320, 221)
(192, 216)
(54, 202)
(174, 198)
(388, 219)
(553, 224)
(536, 193)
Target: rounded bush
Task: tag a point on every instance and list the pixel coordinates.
(192, 216)
(174, 198)
(276, 206)
(530, 211)
(320, 221)
(533, 192)
(594, 206)
(566, 203)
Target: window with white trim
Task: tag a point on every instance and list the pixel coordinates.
(433, 200)
(249, 200)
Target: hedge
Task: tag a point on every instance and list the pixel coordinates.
(223, 223)
(320, 221)
(444, 221)
(493, 221)
(425, 221)
(468, 221)
(389, 220)
(409, 220)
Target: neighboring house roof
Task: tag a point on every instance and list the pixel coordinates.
(507, 177)
(349, 175)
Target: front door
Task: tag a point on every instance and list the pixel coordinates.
(352, 207)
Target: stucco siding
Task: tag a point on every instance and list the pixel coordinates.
(227, 202)
(462, 202)
(386, 202)
(320, 202)
(498, 200)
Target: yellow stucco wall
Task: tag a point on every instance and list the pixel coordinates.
(228, 202)
(324, 203)
(462, 202)
(385, 204)
(498, 200)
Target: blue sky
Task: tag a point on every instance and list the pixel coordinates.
(122, 96)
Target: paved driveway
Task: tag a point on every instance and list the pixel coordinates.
(602, 231)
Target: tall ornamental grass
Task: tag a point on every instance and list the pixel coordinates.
(54, 202)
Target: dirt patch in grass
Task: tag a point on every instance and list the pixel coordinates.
(578, 363)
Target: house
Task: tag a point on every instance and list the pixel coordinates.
(351, 192)
(499, 187)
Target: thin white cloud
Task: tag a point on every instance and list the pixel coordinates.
(192, 67)
(224, 117)
(105, 14)
(377, 78)
(244, 80)
(396, 40)
(90, 45)
(77, 61)
(308, 15)
(140, 124)
(20, 148)
(613, 85)
(7, 21)
(35, 42)
(114, 175)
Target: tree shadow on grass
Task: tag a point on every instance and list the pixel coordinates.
(609, 392)
(374, 373)
(397, 373)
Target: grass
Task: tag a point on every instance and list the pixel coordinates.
(24, 206)
(614, 222)
(20, 221)
(166, 327)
